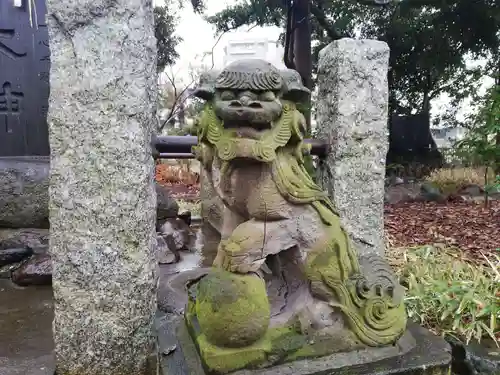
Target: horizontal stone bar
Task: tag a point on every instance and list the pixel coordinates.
(179, 146)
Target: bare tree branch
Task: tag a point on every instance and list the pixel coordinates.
(330, 29)
(180, 98)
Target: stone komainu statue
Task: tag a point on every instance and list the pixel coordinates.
(286, 278)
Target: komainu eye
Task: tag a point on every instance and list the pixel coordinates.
(227, 95)
(267, 96)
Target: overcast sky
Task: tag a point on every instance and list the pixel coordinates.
(199, 36)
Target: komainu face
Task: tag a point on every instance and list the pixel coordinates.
(242, 108)
(250, 110)
(247, 95)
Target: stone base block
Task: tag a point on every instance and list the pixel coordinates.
(428, 355)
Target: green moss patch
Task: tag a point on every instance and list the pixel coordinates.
(279, 345)
(232, 310)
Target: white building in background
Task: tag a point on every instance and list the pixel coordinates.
(241, 46)
(246, 48)
(445, 137)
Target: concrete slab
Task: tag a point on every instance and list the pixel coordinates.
(26, 345)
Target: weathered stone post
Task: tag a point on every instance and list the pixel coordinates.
(102, 194)
(352, 113)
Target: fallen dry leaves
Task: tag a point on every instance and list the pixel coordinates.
(178, 191)
(177, 174)
(182, 183)
(468, 226)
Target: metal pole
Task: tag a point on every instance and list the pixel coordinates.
(179, 147)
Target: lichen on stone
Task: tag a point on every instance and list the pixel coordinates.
(232, 310)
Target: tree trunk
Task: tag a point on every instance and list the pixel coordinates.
(182, 115)
(497, 138)
(302, 49)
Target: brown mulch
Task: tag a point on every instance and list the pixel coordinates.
(190, 193)
(468, 226)
(182, 183)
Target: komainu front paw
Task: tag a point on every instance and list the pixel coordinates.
(235, 257)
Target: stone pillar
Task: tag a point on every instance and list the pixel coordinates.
(352, 114)
(102, 195)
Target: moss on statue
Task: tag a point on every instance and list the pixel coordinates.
(376, 319)
(232, 310)
(279, 345)
(230, 316)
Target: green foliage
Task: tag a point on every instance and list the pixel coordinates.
(494, 186)
(166, 40)
(429, 39)
(187, 130)
(481, 144)
(451, 296)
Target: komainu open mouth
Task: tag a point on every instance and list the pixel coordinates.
(247, 125)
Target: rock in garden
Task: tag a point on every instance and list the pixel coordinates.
(401, 193)
(14, 255)
(34, 238)
(431, 193)
(36, 271)
(394, 180)
(471, 190)
(24, 194)
(174, 236)
(476, 358)
(166, 206)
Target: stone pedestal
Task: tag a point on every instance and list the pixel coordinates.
(102, 193)
(352, 116)
(417, 352)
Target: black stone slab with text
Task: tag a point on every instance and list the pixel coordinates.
(24, 78)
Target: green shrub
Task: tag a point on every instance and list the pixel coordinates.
(451, 180)
(452, 296)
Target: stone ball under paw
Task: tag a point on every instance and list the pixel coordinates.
(232, 309)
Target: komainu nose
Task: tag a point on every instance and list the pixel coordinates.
(255, 105)
(245, 100)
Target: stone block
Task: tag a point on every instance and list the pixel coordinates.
(24, 192)
(352, 116)
(102, 194)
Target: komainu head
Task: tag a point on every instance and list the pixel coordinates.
(249, 93)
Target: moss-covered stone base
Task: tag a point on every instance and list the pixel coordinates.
(417, 352)
(279, 345)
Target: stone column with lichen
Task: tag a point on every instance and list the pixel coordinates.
(102, 195)
(352, 115)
